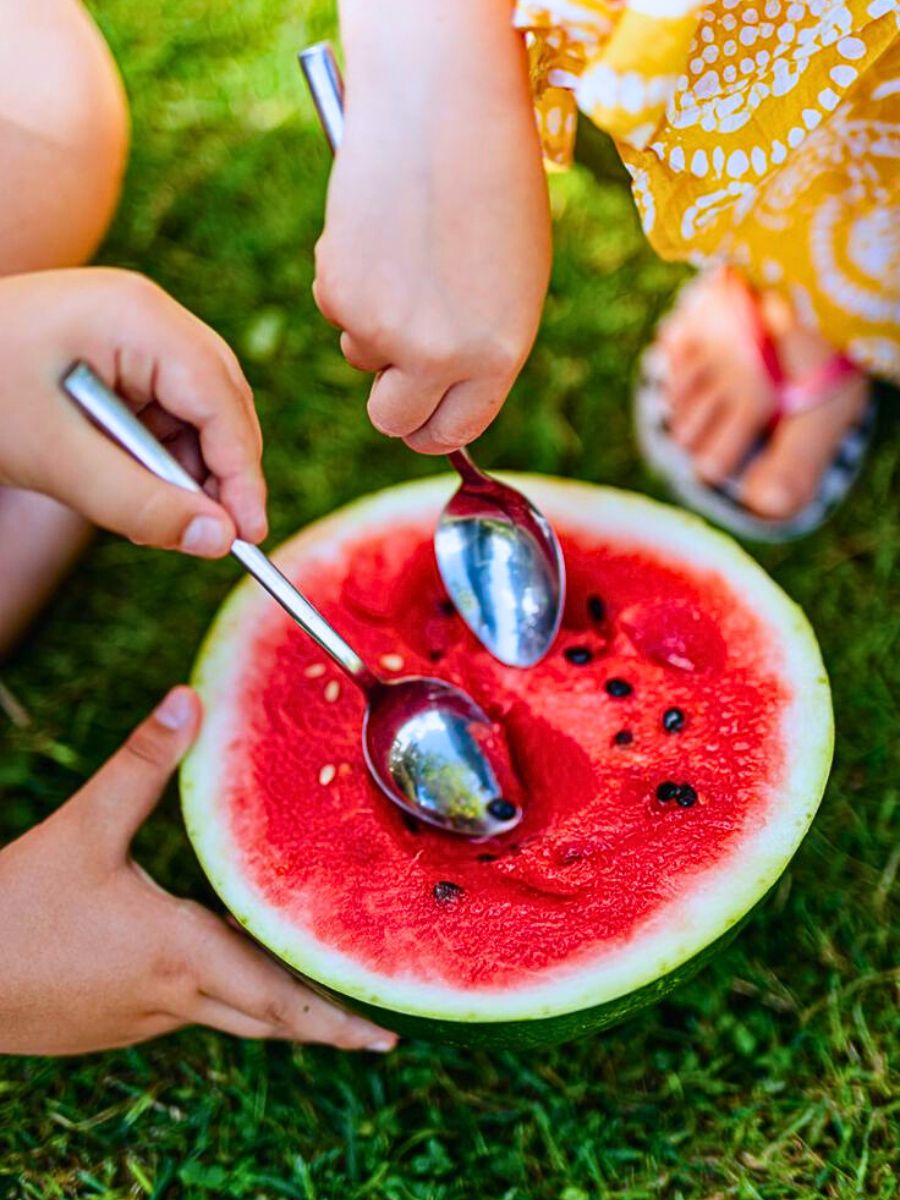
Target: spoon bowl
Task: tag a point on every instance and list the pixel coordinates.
(429, 738)
(502, 565)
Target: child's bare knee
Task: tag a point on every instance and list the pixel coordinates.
(63, 136)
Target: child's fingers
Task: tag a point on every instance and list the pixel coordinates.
(167, 356)
(213, 1013)
(401, 401)
(200, 389)
(322, 302)
(121, 795)
(216, 1015)
(361, 356)
(463, 414)
(185, 446)
(105, 484)
(180, 439)
(162, 424)
(234, 973)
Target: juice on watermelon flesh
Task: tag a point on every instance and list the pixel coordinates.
(591, 737)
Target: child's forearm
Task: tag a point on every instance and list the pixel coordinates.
(420, 48)
(430, 20)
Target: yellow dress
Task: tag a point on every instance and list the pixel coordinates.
(763, 133)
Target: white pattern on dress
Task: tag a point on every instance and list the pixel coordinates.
(846, 293)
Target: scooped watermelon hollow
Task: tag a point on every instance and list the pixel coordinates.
(673, 748)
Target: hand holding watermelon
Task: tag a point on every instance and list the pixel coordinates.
(95, 955)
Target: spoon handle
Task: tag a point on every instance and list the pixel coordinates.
(323, 78)
(105, 408)
(468, 470)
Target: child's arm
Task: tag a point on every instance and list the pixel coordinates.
(93, 954)
(436, 251)
(173, 369)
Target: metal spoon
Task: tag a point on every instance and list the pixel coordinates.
(423, 740)
(497, 554)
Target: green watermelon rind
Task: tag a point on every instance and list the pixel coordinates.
(535, 1034)
(570, 1002)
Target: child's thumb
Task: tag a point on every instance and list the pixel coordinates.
(105, 484)
(123, 793)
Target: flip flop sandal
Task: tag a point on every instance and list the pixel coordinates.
(722, 504)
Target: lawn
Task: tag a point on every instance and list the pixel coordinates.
(769, 1076)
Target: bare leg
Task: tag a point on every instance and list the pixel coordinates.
(40, 540)
(63, 135)
(63, 146)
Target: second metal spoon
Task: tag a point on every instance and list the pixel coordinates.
(498, 555)
(424, 741)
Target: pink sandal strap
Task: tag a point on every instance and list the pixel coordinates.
(800, 395)
(794, 396)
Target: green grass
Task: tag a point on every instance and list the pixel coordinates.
(766, 1078)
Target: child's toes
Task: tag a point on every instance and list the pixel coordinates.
(696, 416)
(727, 442)
(687, 365)
(782, 480)
(688, 381)
(786, 476)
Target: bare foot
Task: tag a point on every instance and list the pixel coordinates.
(40, 542)
(722, 398)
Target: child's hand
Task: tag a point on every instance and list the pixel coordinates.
(174, 370)
(93, 954)
(436, 251)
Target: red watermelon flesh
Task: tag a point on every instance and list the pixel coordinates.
(597, 853)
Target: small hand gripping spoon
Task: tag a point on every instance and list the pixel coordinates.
(498, 555)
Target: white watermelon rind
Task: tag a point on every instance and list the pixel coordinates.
(664, 948)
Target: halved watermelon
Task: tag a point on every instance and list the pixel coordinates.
(673, 746)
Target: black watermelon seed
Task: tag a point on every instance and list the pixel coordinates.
(618, 688)
(596, 608)
(502, 810)
(410, 822)
(624, 737)
(686, 796)
(488, 857)
(448, 608)
(673, 720)
(667, 791)
(435, 655)
(445, 892)
(579, 655)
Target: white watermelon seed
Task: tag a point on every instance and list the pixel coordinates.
(332, 691)
(391, 662)
(316, 671)
(327, 774)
